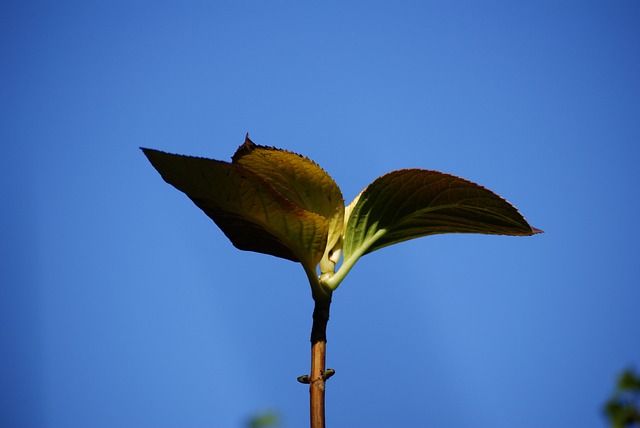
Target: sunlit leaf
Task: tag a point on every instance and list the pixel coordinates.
(253, 214)
(411, 203)
(301, 181)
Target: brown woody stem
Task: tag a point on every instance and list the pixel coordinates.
(318, 376)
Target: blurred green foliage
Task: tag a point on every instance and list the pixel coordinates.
(267, 419)
(623, 408)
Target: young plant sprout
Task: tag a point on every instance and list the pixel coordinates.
(276, 202)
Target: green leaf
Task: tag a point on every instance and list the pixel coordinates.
(280, 203)
(412, 203)
(251, 212)
(303, 182)
(264, 420)
(628, 381)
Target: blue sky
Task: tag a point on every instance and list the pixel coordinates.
(121, 304)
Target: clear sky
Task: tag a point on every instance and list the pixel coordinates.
(123, 305)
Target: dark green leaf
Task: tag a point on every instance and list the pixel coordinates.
(411, 203)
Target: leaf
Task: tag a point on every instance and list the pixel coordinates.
(301, 181)
(280, 203)
(411, 203)
(628, 381)
(251, 212)
(264, 420)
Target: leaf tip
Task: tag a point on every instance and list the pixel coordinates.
(246, 148)
(150, 153)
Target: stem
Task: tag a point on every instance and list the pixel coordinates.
(317, 377)
(334, 281)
